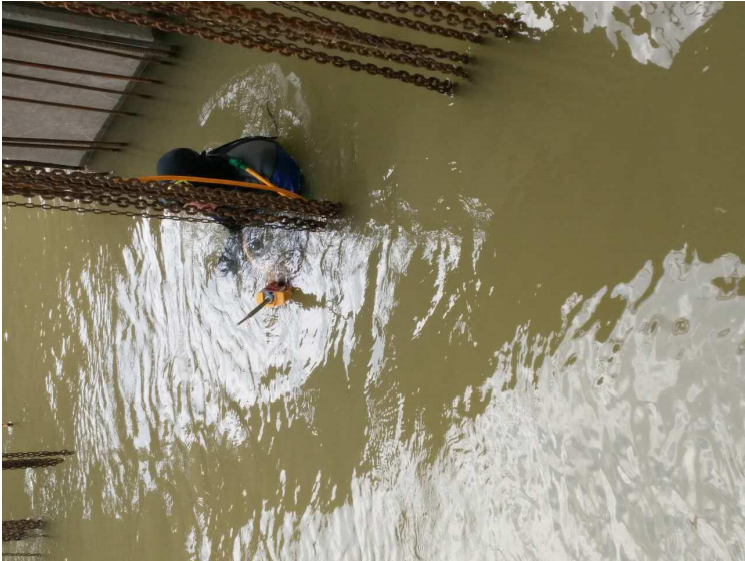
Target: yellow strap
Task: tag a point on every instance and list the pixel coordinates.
(262, 186)
(261, 178)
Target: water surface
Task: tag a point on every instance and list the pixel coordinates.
(525, 342)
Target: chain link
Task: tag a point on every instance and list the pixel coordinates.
(234, 20)
(367, 13)
(39, 454)
(504, 24)
(32, 460)
(327, 28)
(253, 41)
(99, 211)
(154, 198)
(354, 34)
(15, 530)
(31, 463)
(499, 19)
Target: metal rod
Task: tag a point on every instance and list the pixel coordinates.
(80, 47)
(256, 310)
(71, 85)
(34, 163)
(67, 105)
(60, 141)
(80, 71)
(113, 43)
(60, 147)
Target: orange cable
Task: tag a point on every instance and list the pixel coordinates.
(264, 187)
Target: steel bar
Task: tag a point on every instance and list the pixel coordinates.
(60, 147)
(34, 163)
(82, 47)
(71, 85)
(80, 71)
(61, 141)
(67, 105)
(154, 50)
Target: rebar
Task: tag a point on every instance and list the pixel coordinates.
(61, 141)
(80, 71)
(112, 43)
(79, 148)
(71, 85)
(81, 47)
(67, 105)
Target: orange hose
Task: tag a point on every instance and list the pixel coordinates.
(264, 187)
(258, 176)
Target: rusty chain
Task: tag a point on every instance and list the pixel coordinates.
(99, 211)
(501, 28)
(31, 463)
(323, 27)
(232, 207)
(234, 19)
(366, 13)
(253, 41)
(354, 34)
(15, 530)
(470, 11)
(32, 460)
(39, 454)
(183, 191)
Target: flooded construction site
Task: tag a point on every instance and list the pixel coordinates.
(522, 336)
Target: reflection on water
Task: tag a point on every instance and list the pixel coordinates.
(653, 31)
(246, 98)
(526, 341)
(622, 448)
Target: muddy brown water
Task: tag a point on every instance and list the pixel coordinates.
(525, 341)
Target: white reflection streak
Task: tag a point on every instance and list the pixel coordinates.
(248, 94)
(580, 466)
(669, 23)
